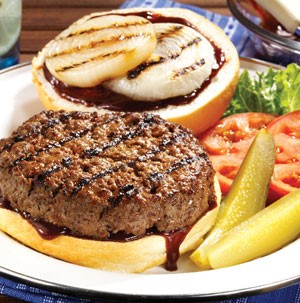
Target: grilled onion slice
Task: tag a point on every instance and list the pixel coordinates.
(181, 62)
(100, 48)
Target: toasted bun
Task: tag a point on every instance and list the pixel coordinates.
(204, 111)
(132, 256)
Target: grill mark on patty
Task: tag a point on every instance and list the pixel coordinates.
(145, 123)
(134, 73)
(56, 144)
(48, 172)
(156, 176)
(67, 162)
(109, 171)
(87, 181)
(129, 190)
(35, 131)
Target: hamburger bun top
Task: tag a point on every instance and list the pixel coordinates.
(202, 111)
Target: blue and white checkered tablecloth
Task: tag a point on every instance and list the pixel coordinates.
(240, 38)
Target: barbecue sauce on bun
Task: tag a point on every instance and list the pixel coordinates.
(190, 82)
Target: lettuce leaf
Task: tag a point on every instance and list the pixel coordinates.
(288, 87)
(275, 92)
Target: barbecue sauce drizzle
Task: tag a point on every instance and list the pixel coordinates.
(103, 98)
(50, 231)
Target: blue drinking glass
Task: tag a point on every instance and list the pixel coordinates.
(10, 28)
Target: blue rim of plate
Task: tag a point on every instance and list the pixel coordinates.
(11, 68)
(115, 297)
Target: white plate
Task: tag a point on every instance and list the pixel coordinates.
(19, 101)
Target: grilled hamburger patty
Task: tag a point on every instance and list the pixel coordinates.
(101, 174)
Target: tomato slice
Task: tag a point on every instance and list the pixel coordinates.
(228, 142)
(286, 132)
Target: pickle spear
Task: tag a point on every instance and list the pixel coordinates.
(263, 233)
(246, 197)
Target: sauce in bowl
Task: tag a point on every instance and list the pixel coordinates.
(271, 24)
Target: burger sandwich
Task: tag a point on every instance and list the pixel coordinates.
(119, 192)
